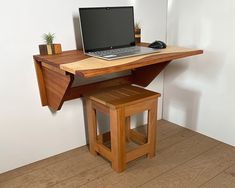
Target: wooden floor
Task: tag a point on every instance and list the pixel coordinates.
(184, 159)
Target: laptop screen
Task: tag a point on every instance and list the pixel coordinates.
(107, 28)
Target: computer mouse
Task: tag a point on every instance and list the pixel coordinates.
(157, 45)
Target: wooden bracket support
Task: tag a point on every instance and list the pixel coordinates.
(143, 76)
(55, 85)
(52, 85)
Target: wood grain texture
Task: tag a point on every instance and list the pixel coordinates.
(226, 179)
(41, 83)
(57, 49)
(67, 64)
(152, 128)
(139, 107)
(79, 91)
(92, 126)
(184, 157)
(63, 58)
(144, 171)
(143, 76)
(104, 151)
(19, 172)
(56, 86)
(53, 68)
(105, 170)
(120, 103)
(118, 139)
(52, 174)
(197, 171)
(90, 67)
(128, 128)
(138, 152)
(124, 95)
(137, 137)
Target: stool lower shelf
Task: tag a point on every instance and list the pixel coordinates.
(135, 143)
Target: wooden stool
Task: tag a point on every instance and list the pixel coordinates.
(120, 103)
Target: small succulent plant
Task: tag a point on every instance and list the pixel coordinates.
(49, 38)
(137, 25)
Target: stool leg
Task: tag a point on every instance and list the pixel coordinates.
(152, 127)
(128, 128)
(92, 126)
(118, 139)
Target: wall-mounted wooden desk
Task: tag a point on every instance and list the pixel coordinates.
(55, 73)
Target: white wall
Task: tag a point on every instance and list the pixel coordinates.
(199, 91)
(29, 132)
(152, 16)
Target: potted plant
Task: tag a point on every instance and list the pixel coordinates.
(137, 32)
(49, 48)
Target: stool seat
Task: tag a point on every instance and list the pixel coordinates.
(116, 97)
(120, 103)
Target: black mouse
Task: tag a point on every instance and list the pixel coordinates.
(157, 45)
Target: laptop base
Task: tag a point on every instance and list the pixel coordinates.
(122, 52)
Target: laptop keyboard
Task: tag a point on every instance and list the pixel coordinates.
(118, 51)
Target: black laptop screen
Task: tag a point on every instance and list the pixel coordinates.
(107, 28)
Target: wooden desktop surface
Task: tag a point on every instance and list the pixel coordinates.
(55, 73)
(77, 63)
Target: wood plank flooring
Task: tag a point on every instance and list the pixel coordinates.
(184, 159)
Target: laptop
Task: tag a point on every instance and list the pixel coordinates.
(108, 33)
